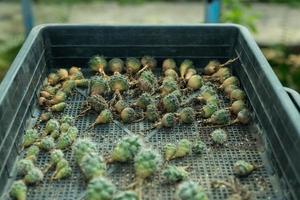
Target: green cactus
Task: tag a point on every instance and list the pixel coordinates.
(208, 110)
(232, 80)
(100, 188)
(195, 82)
(144, 100)
(170, 74)
(152, 114)
(120, 105)
(63, 173)
(31, 135)
(187, 115)
(24, 166)
(126, 149)
(147, 81)
(47, 143)
(56, 155)
(219, 136)
(169, 63)
(83, 146)
(167, 87)
(97, 103)
(237, 106)
(116, 65)
(67, 119)
(51, 125)
(118, 83)
(169, 151)
(55, 134)
(62, 170)
(53, 79)
(18, 190)
(199, 147)
(66, 139)
(128, 115)
(183, 148)
(243, 117)
(104, 117)
(184, 66)
(98, 64)
(64, 127)
(149, 61)
(170, 103)
(68, 86)
(237, 94)
(190, 190)
(211, 67)
(32, 153)
(133, 65)
(99, 86)
(146, 163)
(168, 120)
(242, 168)
(220, 117)
(92, 165)
(34, 176)
(174, 174)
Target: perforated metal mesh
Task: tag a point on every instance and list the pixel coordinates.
(214, 164)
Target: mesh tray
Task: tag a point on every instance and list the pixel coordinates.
(271, 141)
(216, 163)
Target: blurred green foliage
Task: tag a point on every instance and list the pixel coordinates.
(285, 64)
(8, 51)
(234, 12)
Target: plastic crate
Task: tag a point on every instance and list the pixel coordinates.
(51, 46)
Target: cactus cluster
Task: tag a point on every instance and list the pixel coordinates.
(125, 90)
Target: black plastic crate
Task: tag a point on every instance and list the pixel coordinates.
(273, 137)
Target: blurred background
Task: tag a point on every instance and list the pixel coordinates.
(274, 23)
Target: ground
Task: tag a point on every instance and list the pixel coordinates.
(277, 24)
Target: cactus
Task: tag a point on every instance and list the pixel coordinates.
(116, 65)
(190, 190)
(92, 165)
(18, 190)
(98, 64)
(24, 166)
(174, 174)
(126, 149)
(184, 66)
(220, 117)
(99, 86)
(169, 64)
(133, 65)
(82, 147)
(146, 163)
(199, 147)
(30, 137)
(243, 168)
(100, 188)
(152, 114)
(183, 148)
(187, 115)
(34, 176)
(219, 136)
(128, 115)
(144, 100)
(195, 82)
(170, 103)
